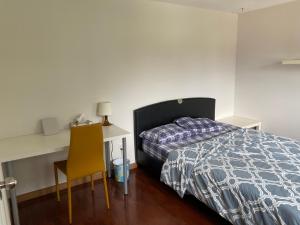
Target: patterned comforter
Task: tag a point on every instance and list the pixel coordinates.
(248, 177)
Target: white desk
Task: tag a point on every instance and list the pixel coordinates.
(242, 122)
(27, 146)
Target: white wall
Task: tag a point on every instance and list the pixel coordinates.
(60, 57)
(265, 89)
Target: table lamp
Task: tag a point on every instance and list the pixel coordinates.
(104, 110)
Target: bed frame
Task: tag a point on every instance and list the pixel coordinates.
(161, 113)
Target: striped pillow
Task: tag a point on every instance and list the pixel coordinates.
(198, 125)
(166, 134)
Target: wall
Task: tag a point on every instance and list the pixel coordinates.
(265, 89)
(60, 57)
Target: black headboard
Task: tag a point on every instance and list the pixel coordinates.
(154, 115)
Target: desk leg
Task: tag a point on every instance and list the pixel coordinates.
(107, 159)
(124, 166)
(13, 197)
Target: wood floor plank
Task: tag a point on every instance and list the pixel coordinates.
(149, 203)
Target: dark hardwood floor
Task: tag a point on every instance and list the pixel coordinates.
(149, 202)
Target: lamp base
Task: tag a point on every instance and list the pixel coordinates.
(105, 122)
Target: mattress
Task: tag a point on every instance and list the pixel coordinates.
(161, 151)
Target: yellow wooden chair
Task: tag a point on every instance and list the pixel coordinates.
(85, 159)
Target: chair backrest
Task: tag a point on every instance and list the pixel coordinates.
(86, 151)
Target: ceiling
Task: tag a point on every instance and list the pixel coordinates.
(234, 6)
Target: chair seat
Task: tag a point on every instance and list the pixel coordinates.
(61, 165)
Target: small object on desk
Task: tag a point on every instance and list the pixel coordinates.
(77, 124)
(80, 121)
(241, 122)
(104, 110)
(50, 126)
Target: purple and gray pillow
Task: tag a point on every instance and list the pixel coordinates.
(166, 134)
(181, 130)
(198, 125)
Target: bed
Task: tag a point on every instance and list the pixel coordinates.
(248, 177)
(160, 113)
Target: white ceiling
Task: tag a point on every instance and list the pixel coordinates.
(229, 5)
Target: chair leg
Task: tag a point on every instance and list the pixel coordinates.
(92, 183)
(56, 182)
(105, 189)
(69, 200)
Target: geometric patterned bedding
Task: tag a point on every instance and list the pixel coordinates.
(248, 177)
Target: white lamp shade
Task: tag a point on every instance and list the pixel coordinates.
(104, 109)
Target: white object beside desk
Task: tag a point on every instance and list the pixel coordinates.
(27, 146)
(242, 122)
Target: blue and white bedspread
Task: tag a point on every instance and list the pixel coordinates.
(248, 177)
